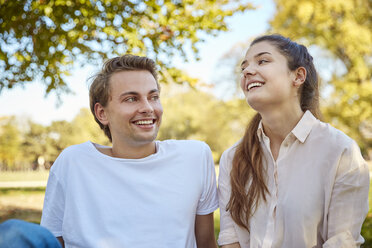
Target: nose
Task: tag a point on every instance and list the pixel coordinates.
(146, 107)
(249, 70)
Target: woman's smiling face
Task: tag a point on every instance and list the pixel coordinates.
(266, 79)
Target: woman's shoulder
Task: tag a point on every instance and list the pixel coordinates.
(332, 135)
(229, 153)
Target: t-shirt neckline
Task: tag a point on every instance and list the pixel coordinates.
(94, 147)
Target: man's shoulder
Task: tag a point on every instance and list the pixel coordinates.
(69, 156)
(185, 147)
(76, 151)
(184, 144)
(77, 148)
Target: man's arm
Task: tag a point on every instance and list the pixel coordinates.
(60, 239)
(204, 231)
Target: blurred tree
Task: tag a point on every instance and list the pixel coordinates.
(10, 141)
(34, 143)
(82, 128)
(42, 40)
(48, 141)
(227, 72)
(85, 128)
(343, 28)
(60, 136)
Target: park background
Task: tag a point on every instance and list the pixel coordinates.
(48, 50)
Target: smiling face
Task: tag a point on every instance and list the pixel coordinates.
(134, 111)
(266, 79)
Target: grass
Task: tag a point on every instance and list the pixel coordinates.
(10, 176)
(216, 223)
(21, 203)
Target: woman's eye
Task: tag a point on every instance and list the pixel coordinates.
(261, 61)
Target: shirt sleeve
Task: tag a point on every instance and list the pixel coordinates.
(208, 202)
(349, 201)
(227, 233)
(54, 204)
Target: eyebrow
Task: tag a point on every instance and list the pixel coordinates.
(154, 91)
(257, 55)
(136, 93)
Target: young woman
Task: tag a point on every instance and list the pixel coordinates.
(292, 180)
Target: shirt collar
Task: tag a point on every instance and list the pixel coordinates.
(304, 126)
(260, 131)
(300, 131)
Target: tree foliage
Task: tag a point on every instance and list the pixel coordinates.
(342, 27)
(22, 145)
(35, 143)
(82, 128)
(9, 142)
(44, 39)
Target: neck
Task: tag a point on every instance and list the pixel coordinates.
(278, 124)
(132, 152)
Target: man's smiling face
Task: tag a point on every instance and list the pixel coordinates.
(134, 111)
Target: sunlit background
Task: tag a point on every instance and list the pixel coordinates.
(50, 49)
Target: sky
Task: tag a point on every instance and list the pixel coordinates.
(30, 101)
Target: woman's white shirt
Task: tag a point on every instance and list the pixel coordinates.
(318, 191)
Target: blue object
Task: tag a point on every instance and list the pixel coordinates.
(21, 234)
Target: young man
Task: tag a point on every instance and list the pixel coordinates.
(140, 192)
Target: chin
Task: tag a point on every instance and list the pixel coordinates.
(148, 138)
(254, 103)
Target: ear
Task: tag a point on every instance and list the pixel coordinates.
(99, 112)
(300, 76)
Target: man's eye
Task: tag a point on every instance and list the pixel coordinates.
(154, 98)
(131, 99)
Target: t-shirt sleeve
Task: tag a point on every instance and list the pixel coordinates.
(54, 204)
(208, 202)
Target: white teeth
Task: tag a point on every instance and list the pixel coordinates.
(147, 122)
(256, 84)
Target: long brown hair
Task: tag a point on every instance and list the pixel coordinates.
(247, 166)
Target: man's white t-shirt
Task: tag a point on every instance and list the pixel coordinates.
(94, 200)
